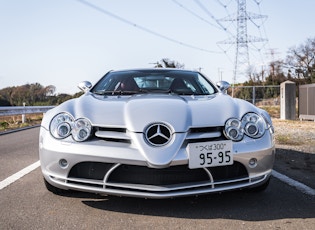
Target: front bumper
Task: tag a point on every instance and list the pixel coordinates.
(102, 167)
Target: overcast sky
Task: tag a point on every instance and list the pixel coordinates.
(63, 42)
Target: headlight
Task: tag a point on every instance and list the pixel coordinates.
(64, 125)
(233, 129)
(255, 125)
(251, 125)
(81, 129)
(60, 126)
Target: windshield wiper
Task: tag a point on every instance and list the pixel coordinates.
(117, 92)
(145, 91)
(185, 92)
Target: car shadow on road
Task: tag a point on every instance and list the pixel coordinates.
(278, 201)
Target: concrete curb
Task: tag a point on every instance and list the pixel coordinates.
(17, 130)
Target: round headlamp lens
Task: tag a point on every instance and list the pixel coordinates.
(233, 133)
(82, 129)
(233, 129)
(251, 129)
(254, 124)
(83, 133)
(64, 130)
(61, 125)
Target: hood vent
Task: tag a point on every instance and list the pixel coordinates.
(205, 133)
(195, 134)
(113, 134)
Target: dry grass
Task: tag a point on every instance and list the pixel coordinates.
(297, 135)
(273, 110)
(15, 122)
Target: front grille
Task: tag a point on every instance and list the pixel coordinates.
(131, 174)
(90, 170)
(231, 172)
(149, 176)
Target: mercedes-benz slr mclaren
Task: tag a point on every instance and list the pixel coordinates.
(156, 133)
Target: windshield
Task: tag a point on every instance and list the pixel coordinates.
(154, 81)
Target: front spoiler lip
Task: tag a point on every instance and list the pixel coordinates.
(156, 192)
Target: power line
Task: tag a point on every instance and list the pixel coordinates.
(212, 16)
(263, 25)
(262, 32)
(103, 11)
(225, 6)
(195, 14)
(222, 4)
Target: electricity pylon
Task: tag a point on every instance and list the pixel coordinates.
(242, 39)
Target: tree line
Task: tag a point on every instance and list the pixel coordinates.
(32, 95)
(298, 66)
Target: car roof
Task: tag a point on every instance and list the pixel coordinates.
(154, 70)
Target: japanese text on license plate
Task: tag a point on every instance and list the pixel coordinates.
(210, 154)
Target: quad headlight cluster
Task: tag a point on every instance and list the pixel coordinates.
(251, 125)
(64, 125)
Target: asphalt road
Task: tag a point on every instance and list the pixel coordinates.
(26, 204)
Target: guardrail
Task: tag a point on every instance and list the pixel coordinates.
(22, 110)
(17, 110)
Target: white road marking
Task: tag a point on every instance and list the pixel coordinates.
(11, 179)
(299, 186)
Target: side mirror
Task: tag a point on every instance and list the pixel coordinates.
(223, 85)
(85, 86)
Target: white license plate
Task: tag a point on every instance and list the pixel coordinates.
(210, 154)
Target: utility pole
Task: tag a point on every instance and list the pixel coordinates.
(242, 39)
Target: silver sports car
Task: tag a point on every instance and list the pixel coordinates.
(156, 133)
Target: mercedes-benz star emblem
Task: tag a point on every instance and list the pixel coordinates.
(158, 134)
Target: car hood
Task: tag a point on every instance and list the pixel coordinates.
(136, 112)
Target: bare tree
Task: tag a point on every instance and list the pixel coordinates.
(50, 90)
(302, 60)
(167, 63)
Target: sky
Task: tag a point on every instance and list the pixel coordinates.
(64, 42)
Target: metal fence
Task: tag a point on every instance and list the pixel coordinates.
(17, 110)
(257, 95)
(22, 110)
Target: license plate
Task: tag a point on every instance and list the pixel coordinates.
(210, 154)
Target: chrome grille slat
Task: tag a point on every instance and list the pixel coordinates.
(112, 135)
(192, 136)
(128, 178)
